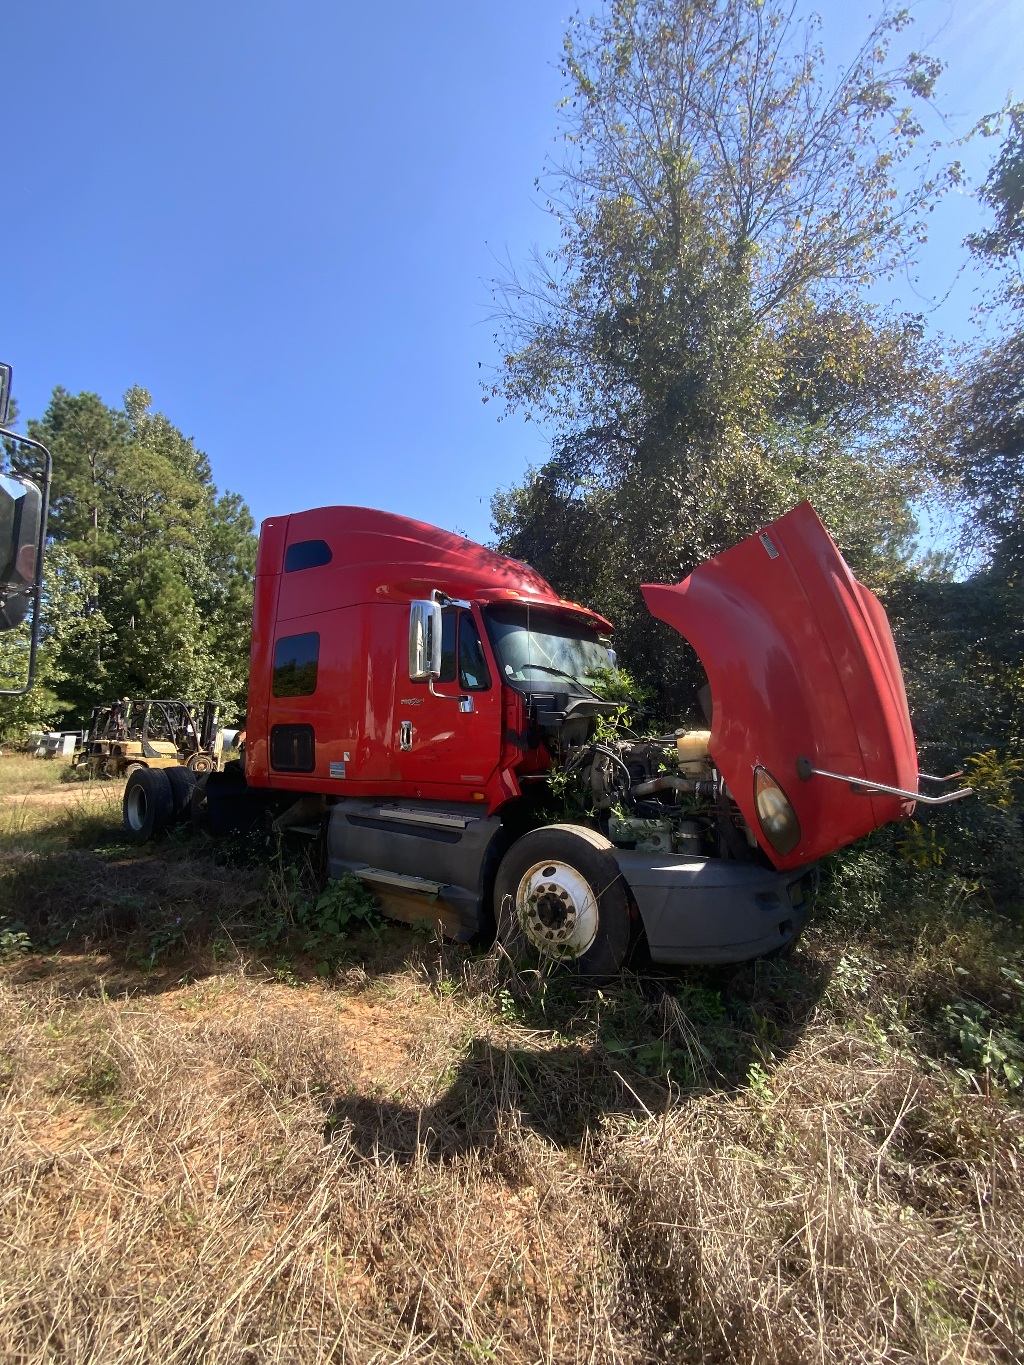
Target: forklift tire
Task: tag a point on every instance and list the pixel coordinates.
(148, 805)
(182, 782)
(560, 898)
(132, 768)
(200, 763)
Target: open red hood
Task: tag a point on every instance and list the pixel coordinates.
(803, 674)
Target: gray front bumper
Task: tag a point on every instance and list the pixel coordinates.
(713, 910)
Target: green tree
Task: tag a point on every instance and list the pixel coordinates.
(1002, 243)
(962, 642)
(987, 409)
(697, 342)
(149, 572)
(66, 648)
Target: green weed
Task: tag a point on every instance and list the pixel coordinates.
(342, 907)
(987, 1046)
(14, 941)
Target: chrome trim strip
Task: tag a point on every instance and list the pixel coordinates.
(444, 819)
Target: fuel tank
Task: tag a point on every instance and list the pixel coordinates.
(804, 675)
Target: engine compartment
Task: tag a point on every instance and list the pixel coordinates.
(661, 794)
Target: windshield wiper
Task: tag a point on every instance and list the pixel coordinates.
(561, 673)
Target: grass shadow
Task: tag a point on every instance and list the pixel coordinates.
(637, 1046)
(558, 1092)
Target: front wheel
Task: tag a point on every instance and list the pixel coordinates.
(560, 897)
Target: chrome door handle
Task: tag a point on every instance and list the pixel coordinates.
(405, 736)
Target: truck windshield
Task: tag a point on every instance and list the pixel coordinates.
(538, 647)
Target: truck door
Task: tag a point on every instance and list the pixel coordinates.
(437, 743)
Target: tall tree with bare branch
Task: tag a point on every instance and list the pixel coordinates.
(698, 343)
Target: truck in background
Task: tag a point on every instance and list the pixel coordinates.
(411, 693)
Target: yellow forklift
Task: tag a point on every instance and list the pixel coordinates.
(152, 733)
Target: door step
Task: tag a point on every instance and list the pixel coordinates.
(378, 876)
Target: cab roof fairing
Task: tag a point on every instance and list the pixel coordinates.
(801, 664)
(381, 554)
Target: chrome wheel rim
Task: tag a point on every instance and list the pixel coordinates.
(135, 809)
(557, 909)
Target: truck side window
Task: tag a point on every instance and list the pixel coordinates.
(306, 554)
(449, 620)
(292, 749)
(474, 675)
(296, 659)
(460, 641)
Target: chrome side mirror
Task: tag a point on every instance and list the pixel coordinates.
(424, 641)
(425, 645)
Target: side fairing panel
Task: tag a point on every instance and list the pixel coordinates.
(801, 663)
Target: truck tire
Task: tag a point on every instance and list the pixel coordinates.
(199, 807)
(182, 781)
(148, 805)
(560, 897)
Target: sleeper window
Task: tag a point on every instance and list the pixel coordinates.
(296, 658)
(306, 554)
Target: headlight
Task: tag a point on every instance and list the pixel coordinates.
(776, 816)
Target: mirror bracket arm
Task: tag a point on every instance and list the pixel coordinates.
(37, 593)
(443, 600)
(465, 701)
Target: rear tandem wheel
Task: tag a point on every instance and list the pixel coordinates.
(183, 783)
(148, 805)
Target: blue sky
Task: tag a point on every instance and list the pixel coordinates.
(281, 219)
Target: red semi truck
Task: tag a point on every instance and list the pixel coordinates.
(411, 691)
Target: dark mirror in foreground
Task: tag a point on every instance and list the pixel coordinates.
(23, 506)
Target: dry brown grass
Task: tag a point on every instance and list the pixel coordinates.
(208, 1156)
(21, 775)
(176, 1185)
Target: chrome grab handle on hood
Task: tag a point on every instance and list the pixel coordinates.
(865, 788)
